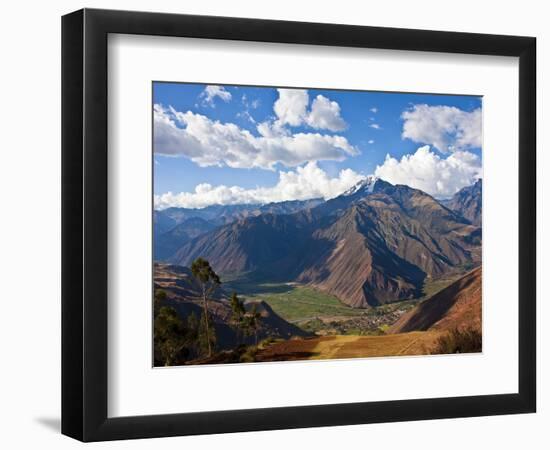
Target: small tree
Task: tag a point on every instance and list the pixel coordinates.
(193, 331)
(206, 340)
(169, 335)
(252, 322)
(160, 298)
(209, 282)
(238, 312)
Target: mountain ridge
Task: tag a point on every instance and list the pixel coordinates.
(458, 306)
(375, 244)
(468, 202)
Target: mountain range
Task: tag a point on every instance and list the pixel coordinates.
(468, 202)
(374, 244)
(175, 226)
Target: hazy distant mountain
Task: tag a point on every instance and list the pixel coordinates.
(223, 214)
(175, 226)
(289, 207)
(167, 243)
(162, 223)
(217, 214)
(373, 244)
(467, 202)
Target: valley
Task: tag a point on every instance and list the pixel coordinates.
(381, 270)
(324, 314)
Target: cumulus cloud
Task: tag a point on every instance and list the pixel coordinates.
(375, 126)
(212, 143)
(425, 170)
(371, 141)
(325, 114)
(212, 91)
(374, 109)
(446, 128)
(291, 108)
(306, 182)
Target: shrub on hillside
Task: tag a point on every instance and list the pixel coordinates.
(459, 341)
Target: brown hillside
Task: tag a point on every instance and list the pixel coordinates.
(354, 264)
(184, 295)
(457, 306)
(367, 248)
(381, 249)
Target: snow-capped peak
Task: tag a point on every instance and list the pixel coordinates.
(366, 185)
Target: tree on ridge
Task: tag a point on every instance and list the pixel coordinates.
(209, 282)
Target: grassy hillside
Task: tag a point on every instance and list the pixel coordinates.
(301, 303)
(432, 287)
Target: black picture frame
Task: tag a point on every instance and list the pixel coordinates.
(84, 224)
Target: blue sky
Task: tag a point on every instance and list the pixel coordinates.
(211, 136)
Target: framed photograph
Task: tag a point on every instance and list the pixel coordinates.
(274, 225)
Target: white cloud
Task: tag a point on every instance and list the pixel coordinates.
(247, 116)
(371, 141)
(212, 143)
(425, 170)
(212, 91)
(375, 126)
(373, 110)
(248, 105)
(325, 114)
(444, 127)
(291, 108)
(306, 182)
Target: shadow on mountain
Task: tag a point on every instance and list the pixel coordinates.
(292, 350)
(258, 283)
(396, 270)
(458, 306)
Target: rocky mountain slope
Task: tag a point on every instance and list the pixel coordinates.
(456, 307)
(374, 244)
(467, 202)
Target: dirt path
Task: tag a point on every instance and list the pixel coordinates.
(329, 349)
(338, 347)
